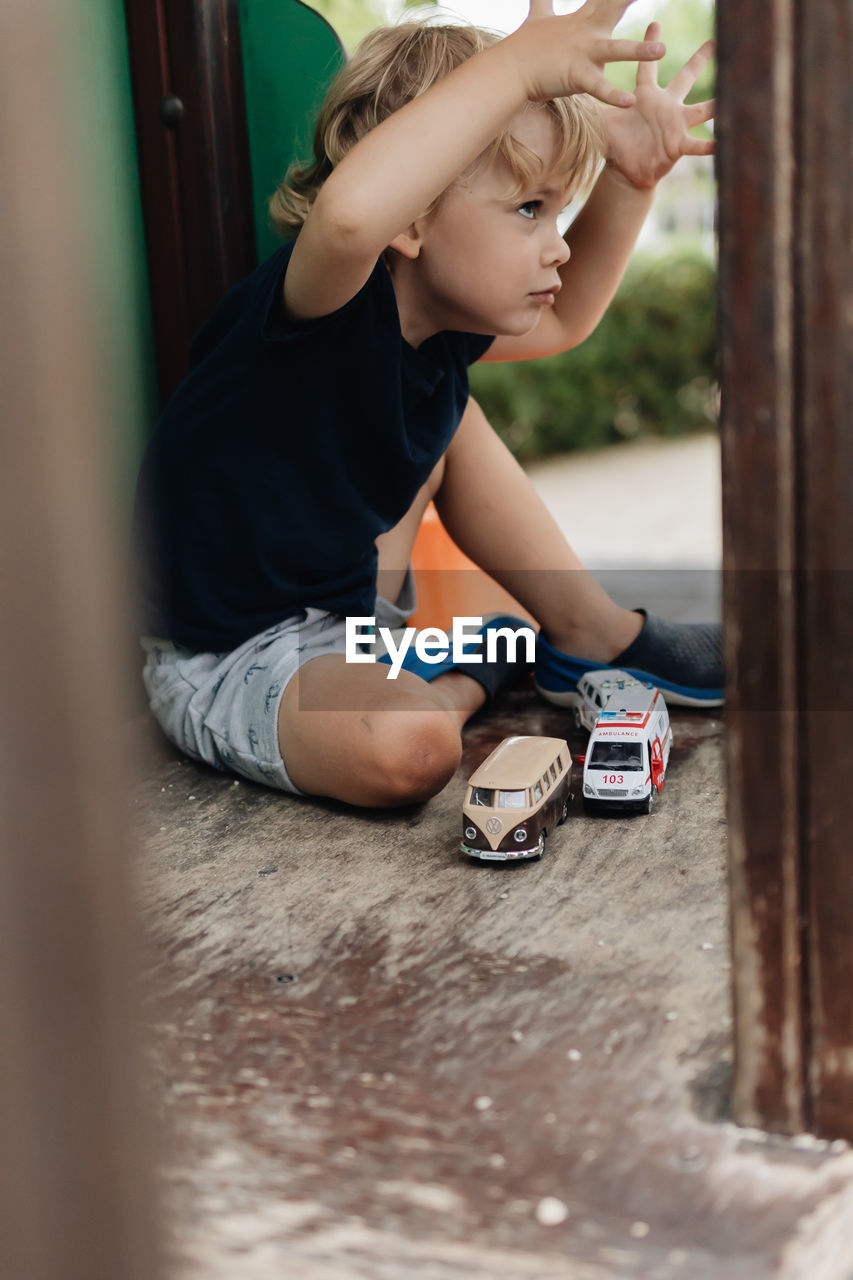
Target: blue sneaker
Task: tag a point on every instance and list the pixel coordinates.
(509, 669)
(683, 660)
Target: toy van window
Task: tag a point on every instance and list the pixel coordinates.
(560, 763)
(537, 793)
(547, 781)
(599, 701)
(512, 799)
(483, 796)
(554, 772)
(616, 755)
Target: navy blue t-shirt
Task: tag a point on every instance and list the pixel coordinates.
(285, 451)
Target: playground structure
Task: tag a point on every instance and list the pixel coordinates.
(66, 923)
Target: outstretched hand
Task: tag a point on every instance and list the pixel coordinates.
(646, 140)
(558, 56)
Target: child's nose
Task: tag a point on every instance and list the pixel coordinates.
(556, 251)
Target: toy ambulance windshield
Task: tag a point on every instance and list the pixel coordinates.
(516, 798)
(628, 750)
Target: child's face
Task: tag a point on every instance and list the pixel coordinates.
(489, 260)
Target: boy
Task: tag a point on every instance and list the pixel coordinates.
(327, 403)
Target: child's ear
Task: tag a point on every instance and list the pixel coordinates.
(408, 243)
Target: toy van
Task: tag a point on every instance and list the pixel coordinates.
(594, 690)
(628, 750)
(516, 798)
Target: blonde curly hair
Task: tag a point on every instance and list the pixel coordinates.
(393, 65)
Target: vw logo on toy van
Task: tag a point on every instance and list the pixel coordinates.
(493, 826)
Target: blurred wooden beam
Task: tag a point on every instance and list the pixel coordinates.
(76, 1199)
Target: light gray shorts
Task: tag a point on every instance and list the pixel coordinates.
(222, 708)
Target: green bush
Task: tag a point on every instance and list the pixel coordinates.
(648, 369)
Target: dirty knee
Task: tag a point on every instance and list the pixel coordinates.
(417, 760)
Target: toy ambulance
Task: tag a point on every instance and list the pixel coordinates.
(516, 798)
(628, 749)
(594, 690)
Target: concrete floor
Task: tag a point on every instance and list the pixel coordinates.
(648, 504)
(380, 1060)
(376, 1060)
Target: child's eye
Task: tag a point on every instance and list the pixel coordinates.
(530, 208)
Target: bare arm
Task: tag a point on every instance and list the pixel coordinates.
(602, 238)
(644, 144)
(391, 177)
(393, 174)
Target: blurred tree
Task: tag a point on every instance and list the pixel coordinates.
(649, 369)
(352, 19)
(685, 25)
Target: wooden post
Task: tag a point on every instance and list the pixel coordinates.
(823, 328)
(187, 78)
(76, 1201)
(786, 303)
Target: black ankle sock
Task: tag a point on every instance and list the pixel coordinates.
(686, 653)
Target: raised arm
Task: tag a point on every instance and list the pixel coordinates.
(394, 173)
(644, 143)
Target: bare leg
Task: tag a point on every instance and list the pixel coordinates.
(493, 514)
(395, 553)
(348, 732)
(395, 546)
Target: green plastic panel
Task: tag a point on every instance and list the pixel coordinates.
(290, 56)
(97, 77)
